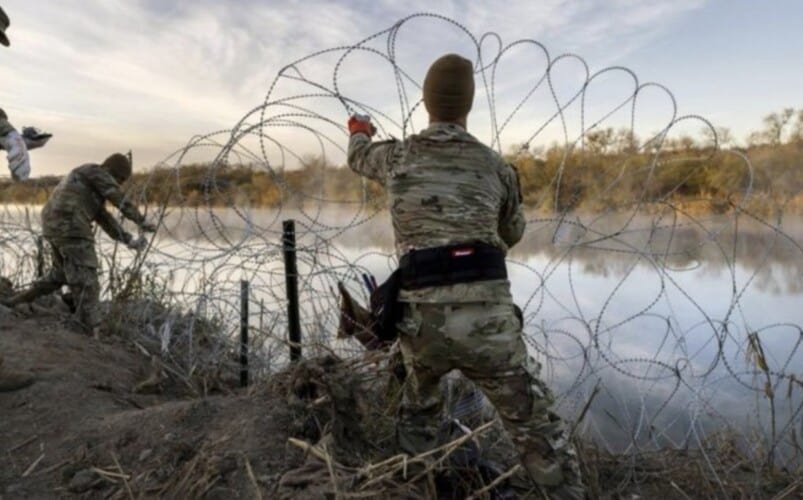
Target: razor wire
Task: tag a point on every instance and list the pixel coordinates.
(644, 311)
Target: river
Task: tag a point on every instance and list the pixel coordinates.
(673, 326)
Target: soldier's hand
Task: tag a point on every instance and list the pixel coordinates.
(361, 124)
(138, 244)
(149, 227)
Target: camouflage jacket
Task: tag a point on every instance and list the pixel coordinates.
(445, 187)
(79, 200)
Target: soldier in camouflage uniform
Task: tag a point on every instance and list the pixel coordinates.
(445, 188)
(9, 380)
(15, 145)
(77, 202)
(10, 140)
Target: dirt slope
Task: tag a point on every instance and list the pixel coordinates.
(83, 431)
(80, 428)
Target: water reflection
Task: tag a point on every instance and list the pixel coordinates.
(661, 315)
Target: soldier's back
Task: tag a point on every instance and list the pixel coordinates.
(447, 188)
(72, 206)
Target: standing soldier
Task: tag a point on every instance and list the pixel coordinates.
(77, 202)
(10, 140)
(16, 145)
(9, 379)
(456, 209)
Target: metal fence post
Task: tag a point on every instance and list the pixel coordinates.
(40, 257)
(291, 282)
(243, 333)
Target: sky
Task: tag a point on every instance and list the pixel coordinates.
(149, 75)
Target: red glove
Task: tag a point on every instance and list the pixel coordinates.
(361, 123)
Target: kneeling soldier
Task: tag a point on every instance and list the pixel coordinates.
(77, 202)
(456, 209)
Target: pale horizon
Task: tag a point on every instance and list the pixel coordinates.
(147, 76)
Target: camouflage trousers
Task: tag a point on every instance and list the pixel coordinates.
(75, 264)
(484, 341)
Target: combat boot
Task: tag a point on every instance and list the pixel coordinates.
(12, 381)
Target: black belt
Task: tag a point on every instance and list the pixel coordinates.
(437, 266)
(449, 265)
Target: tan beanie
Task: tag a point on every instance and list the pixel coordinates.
(118, 166)
(449, 88)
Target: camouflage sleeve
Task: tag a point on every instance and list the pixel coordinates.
(371, 159)
(111, 227)
(105, 185)
(511, 218)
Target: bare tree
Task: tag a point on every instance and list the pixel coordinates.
(797, 132)
(721, 136)
(775, 123)
(599, 141)
(626, 141)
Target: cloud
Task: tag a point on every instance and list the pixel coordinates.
(108, 75)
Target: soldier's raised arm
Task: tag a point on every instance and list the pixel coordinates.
(365, 157)
(511, 218)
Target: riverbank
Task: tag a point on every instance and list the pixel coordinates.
(115, 418)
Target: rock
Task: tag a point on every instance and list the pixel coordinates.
(82, 481)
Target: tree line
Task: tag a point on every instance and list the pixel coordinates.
(610, 169)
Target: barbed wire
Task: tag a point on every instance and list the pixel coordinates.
(666, 318)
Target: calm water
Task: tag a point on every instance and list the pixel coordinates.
(655, 312)
(658, 319)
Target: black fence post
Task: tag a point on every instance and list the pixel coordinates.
(243, 333)
(40, 257)
(291, 282)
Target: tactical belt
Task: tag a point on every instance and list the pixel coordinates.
(439, 266)
(449, 265)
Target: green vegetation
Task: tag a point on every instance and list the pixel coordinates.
(612, 170)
